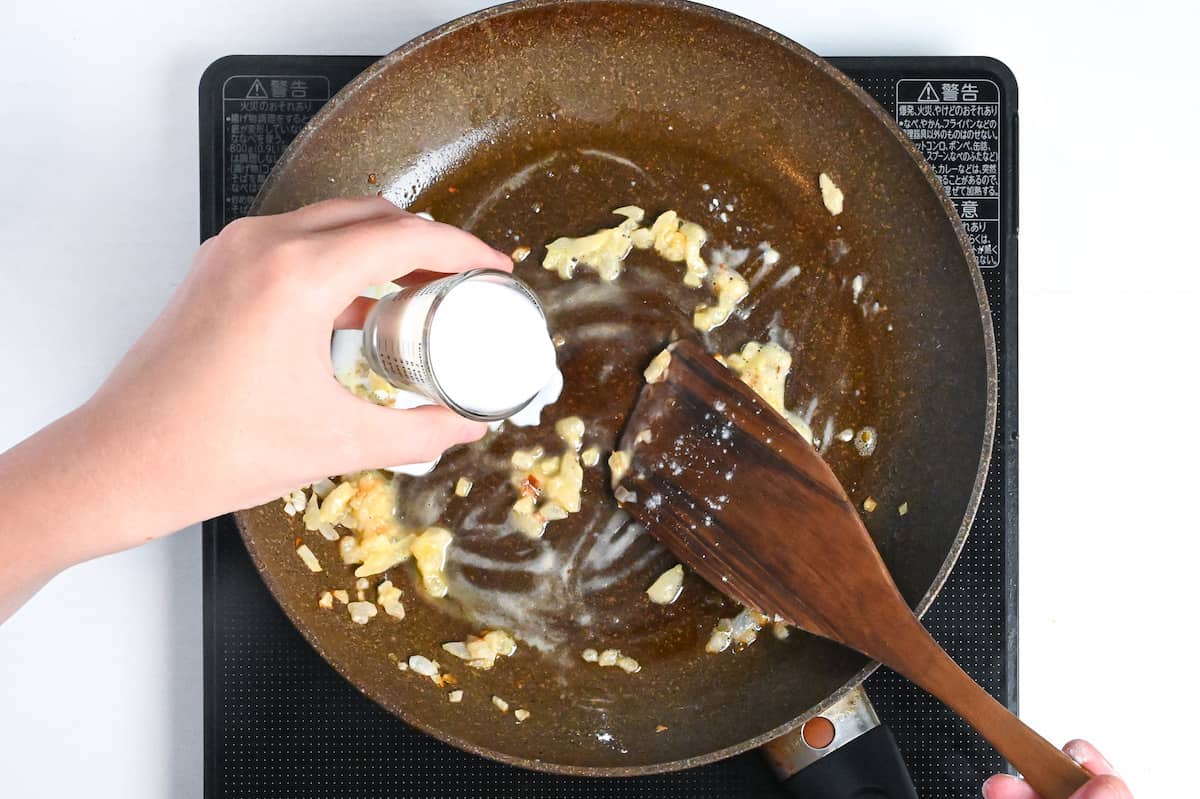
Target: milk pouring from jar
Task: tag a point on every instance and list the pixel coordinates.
(475, 342)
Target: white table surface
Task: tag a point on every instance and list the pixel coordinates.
(100, 675)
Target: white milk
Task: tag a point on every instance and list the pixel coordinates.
(489, 348)
(492, 345)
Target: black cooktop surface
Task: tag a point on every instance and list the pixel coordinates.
(280, 722)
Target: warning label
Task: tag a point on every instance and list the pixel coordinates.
(263, 113)
(956, 126)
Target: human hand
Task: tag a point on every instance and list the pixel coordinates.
(1104, 785)
(235, 377)
(229, 399)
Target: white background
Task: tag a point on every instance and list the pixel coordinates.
(100, 691)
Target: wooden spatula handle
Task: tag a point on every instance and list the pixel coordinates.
(1047, 769)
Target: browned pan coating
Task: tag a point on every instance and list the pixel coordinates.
(535, 120)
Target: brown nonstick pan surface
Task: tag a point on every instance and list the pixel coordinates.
(534, 120)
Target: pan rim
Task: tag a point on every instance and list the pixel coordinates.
(382, 66)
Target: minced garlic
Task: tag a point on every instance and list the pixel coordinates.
(741, 630)
(831, 195)
(361, 612)
(656, 371)
(429, 551)
(388, 597)
(570, 430)
(365, 503)
(549, 487)
(667, 587)
(603, 252)
(612, 657)
(765, 367)
(719, 638)
(618, 464)
(310, 560)
(293, 502)
(730, 288)
(481, 651)
(425, 667)
(463, 487)
(590, 456)
(676, 240)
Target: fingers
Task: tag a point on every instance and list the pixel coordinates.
(1005, 786)
(354, 314)
(379, 249)
(336, 213)
(1104, 787)
(417, 435)
(1087, 756)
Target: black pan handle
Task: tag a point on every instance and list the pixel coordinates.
(868, 767)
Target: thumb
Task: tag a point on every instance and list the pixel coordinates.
(415, 435)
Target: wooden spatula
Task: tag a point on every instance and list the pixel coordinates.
(730, 487)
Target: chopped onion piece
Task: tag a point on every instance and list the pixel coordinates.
(667, 588)
(618, 464)
(429, 550)
(831, 195)
(423, 666)
(628, 664)
(361, 612)
(310, 560)
(657, 370)
(570, 430)
(501, 641)
(388, 597)
(720, 638)
(458, 649)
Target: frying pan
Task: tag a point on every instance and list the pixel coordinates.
(533, 120)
